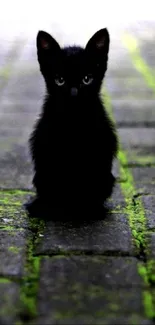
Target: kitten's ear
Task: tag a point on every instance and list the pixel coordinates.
(99, 42)
(46, 42)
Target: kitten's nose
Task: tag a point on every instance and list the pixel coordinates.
(74, 91)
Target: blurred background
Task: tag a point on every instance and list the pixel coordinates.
(70, 20)
(130, 78)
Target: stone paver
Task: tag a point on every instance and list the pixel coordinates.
(80, 284)
(12, 252)
(139, 145)
(135, 113)
(95, 237)
(9, 302)
(120, 88)
(98, 271)
(149, 204)
(144, 175)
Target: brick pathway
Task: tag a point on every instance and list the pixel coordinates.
(101, 272)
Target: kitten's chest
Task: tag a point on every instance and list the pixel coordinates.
(78, 137)
(74, 136)
(74, 146)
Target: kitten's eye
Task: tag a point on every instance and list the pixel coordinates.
(59, 81)
(87, 80)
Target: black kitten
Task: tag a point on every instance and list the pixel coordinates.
(74, 142)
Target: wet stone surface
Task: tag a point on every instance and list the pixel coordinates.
(100, 237)
(81, 284)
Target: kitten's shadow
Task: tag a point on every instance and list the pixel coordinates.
(77, 215)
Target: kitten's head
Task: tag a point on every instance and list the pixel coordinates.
(74, 71)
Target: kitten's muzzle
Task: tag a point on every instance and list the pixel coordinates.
(74, 91)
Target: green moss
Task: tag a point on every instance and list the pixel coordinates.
(57, 257)
(30, 283)
(7, 228)
(5, 72)
(151, 270)
(137, 160)
(142, 270)
(62, 315)
(14, 249)
(37, 225)
(11, 192)
(5, 280)
(10, 228)
(9, 208)
(114, 307)
(115, 211)
(6, 201)
(135, 320)
(29, 287)
(13, 218)
(131, 44)
(148, 304)
(14, 197)
(95, 291)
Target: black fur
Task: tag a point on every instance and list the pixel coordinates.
(73, 142)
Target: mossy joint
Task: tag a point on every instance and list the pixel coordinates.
(137, 222)
(12, 197)
(143, 161)
(131, 44)
(151, 270)
(29, 283)
(4, 280)
(29, 288)
(148, 303)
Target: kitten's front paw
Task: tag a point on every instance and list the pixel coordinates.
(34, 208)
